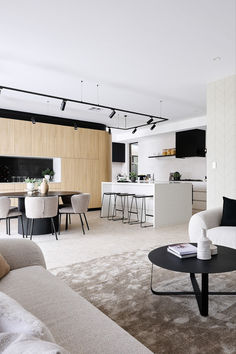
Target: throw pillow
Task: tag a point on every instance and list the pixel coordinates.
(229, 212)
(14, 343)
(15, 319)
(4, 267)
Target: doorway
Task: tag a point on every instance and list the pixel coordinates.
(133, 158)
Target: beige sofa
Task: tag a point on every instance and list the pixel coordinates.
(75, 324)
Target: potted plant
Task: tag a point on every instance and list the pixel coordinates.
(177, 176)
(133, 176)
(48, 174)
(30, 183)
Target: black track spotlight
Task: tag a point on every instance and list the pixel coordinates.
(153, 126)
(150, 120)
(63, 105)
(33, 121)
(75, 126)
(111, 115)
(109, 130)
(134, 131)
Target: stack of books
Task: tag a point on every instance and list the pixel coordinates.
(183, 250)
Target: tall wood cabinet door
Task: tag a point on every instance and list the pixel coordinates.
(6, 136)
(105, 152)
(68, 174)
(64, 141)
(87, 180)
(86, 144)
(22, 138)
(43, 140)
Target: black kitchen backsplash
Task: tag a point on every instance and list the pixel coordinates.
(16, 169)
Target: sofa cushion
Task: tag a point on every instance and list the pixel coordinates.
(229, 212)
(15, 319)
(75, 324)
(223, 236)
(14, 343)
(4, 267)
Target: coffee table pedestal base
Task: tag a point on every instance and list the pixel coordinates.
(201, 295)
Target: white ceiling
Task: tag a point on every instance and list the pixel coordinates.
(139, 52)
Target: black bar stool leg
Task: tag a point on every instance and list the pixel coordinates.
(130, 209)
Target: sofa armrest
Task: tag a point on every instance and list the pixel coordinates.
(21, 253)
(206, 219)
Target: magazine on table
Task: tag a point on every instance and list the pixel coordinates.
(183, 249)
(184, 256)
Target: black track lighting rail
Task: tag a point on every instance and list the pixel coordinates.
(153, 118)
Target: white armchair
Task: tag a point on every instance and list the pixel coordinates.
(210, 220)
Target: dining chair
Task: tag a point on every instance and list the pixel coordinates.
(66, 200)
(41, 208)
(7, 213)
(79, 205)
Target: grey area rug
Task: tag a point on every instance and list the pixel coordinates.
(119, 286)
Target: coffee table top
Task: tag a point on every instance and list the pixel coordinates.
(224, 261)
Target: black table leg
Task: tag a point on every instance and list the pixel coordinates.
(168, 292)
(201, 295)
(204, 310)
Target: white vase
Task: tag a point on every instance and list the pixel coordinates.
(204, 247)
(47, 177)
(30, 186)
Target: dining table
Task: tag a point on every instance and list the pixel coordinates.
(41, 226)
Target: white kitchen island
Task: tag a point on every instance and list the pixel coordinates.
(171, 203)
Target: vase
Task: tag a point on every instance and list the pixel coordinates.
(204, 247)
(30, 187)
(44, 186)
(47, 177)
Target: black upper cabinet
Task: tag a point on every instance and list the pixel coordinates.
(118, 152)
(191, 143)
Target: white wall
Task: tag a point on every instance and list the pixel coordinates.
(221, 140)
(192, 167)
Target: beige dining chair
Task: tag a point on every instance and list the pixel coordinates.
(7, 213)
(79, 205)
(66, 200)
(41, 208)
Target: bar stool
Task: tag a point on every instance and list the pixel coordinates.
(124, 200)
(144, 213)
(109, 194)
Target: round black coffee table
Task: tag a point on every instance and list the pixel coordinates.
(224, 261)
